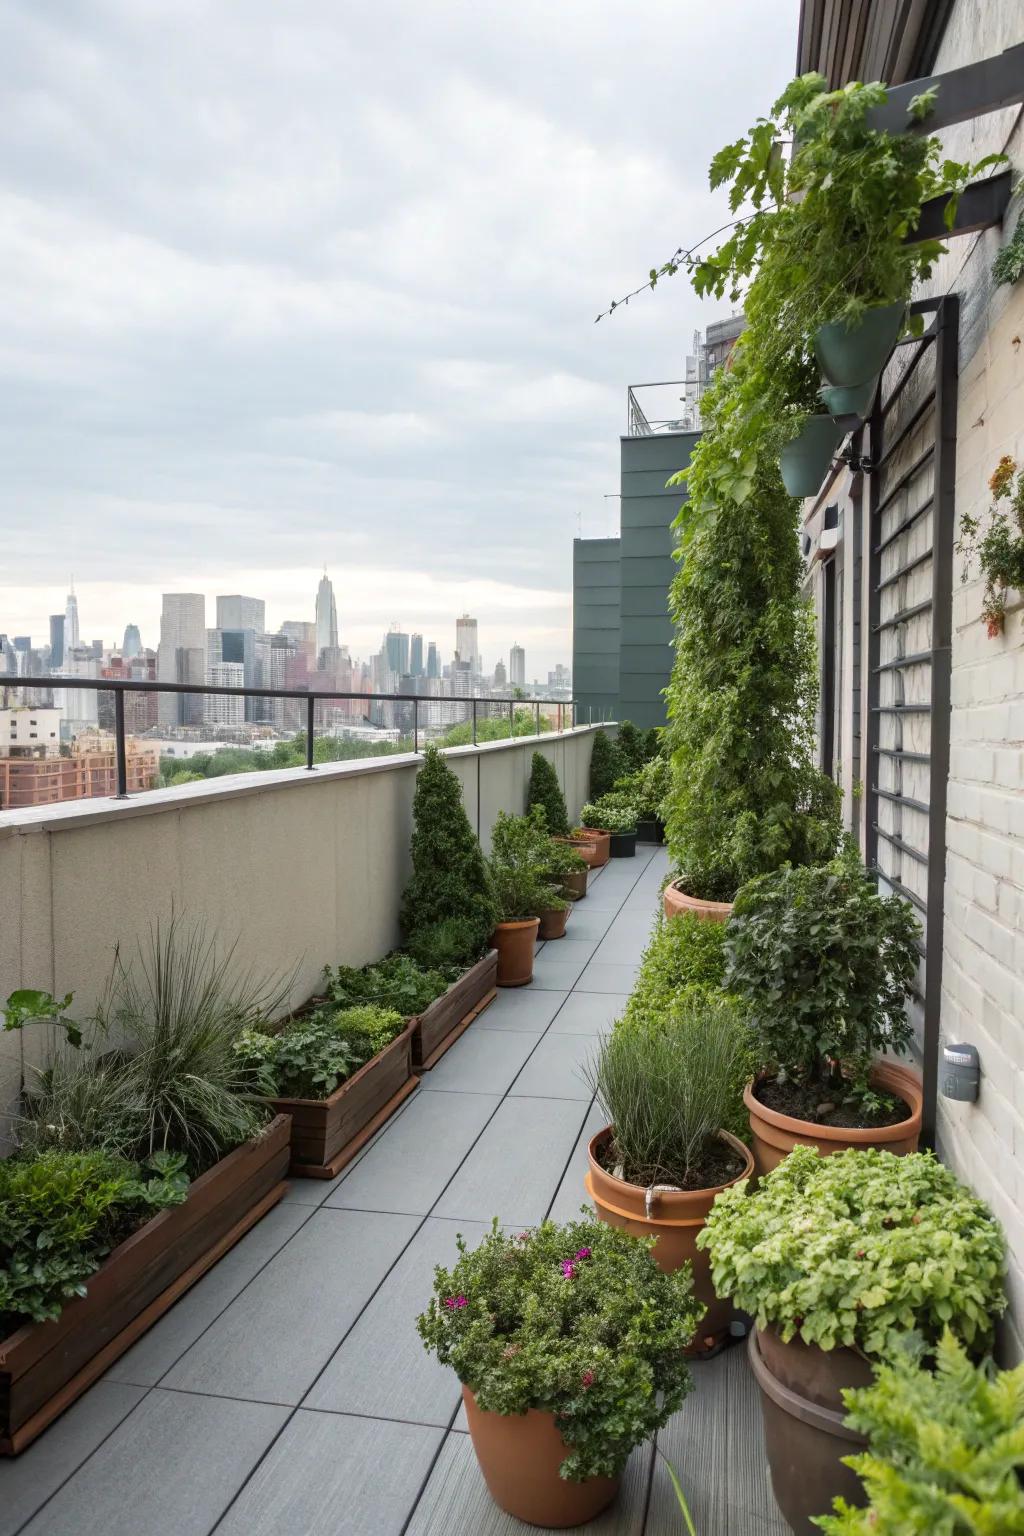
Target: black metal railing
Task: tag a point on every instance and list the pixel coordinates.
(118, 686)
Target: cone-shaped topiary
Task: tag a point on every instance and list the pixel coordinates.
(544, 790)
(605, 765)
(449, 893)
(631, 745)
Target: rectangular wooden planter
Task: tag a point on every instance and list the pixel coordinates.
(44, 1367)
(327, 1133)
(441, 1024)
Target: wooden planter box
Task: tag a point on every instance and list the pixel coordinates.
(327, 1133)
(440, 1025)
(44, 1367)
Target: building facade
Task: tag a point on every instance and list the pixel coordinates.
(181, 656)
(237, 612)
(326, 618)
(517, 667)
(467, 647)
(90, 770)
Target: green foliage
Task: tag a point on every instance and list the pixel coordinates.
(654, 743)
(824, 964)
(1001, 547)
(309, 1057)
(605, 765)
(397, 982)
(520, 858)
(576, 1320)
(632, 747)
(1008, 266)
(544, 790)
(669, 1086)
(561, 859)
(284, 754)
(649, 788)
(61, 1213)
(614, 812)
(449, 880)
(946, 1450)
(494, 727)
(447, 945)
(859, 1249)
(26, 1004)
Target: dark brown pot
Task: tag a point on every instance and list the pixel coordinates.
(515, 943)
(804, 1432)
(519, 1456)
(603, 841)
(574, 885)
(775, 1135)
(676, 1217)
(552, 923)
(676, 901)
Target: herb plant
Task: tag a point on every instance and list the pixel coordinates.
(397, 982)
(312, 1056)
(447, 906)
(1000, 549)
(859, 1248)
(824, 964)
(605, 764)
(576, 1320)
(946, 1453)
(545, 791)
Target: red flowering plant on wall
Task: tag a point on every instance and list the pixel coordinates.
(1000, 549)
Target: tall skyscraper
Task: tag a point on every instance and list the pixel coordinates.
(131, 645)
(517, 667)
(500, 675)
(56, 641)
(396, 651)
(71, 620)
(433, 660)
(181, 657)
(238, 612)
(466, 647)
(326, 618)
(224, 708)
(416, 656)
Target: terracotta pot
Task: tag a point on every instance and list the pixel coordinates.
(676, 901)
(676, 1218)
(552, 923)
(775, 1135)
(519, 1456)
(574, 885)
(805, 1436)
(515, 945)
(588, 849)
(603, 840)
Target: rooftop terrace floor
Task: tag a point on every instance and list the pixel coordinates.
(288, 1393)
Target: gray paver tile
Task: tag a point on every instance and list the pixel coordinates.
(602, 977)
(516, 1164)
(572, 1192)
(480, 1063)
(521, 1008)
(410, 1166)
(553, 1071)
(589, 1013)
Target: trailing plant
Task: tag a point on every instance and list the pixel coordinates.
(825, 964)
(668, 1088)
(397, 982)
(518, 867)
(860, 1248)
(545, 791)
(614, 812)
(575, 1320)
(605, 764)
(60, 1215)
(312, 1056)
(1000, 549)
(449, 883)
(946, 1454)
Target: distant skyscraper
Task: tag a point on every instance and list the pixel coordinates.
(433, 661)
(416, 656)
(500, 675)
(237, 612)
(56, 641)
(181, 657)
(396, 652)
(326, 618)
(224, 708)
(131, 645)
(71, 621)
(517, 667)
(466, 647)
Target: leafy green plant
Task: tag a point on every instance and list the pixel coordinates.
(520, 857)
(561, 859)
(650, 788)
(576, 1320)
(669, 1087)
(449, 884)
(545, 791)
(26, 1005)
(654, 742)
(859, 1248)
(614, 812)
(309, 1057)
(946, 1451)
(683, 954)
(1001, 547)
(824, 964)
(605, 764)
(1008, 266)
(397, 982)
(631, 745)
(61, 1213)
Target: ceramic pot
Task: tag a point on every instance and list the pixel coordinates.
(854, 354)
(515, 943)
(519, 1456)
(674, 1217)
(775, 1135)
(574, 885)
(552, 923)
(622, 845)
(855, 400)
(805, 460)
(675, 901)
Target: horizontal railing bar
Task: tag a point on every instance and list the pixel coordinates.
(904, 479)
(916, 659)
(901, 709)
(898, 799)
(904, 570)
(897, 842)
(903, 615)
(908, 757)
(136, 685)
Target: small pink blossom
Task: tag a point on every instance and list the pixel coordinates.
(568, 1269)
(583, 1253)
(587, 1379)
(453, 1303)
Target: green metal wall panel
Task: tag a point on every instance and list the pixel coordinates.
(596, 579)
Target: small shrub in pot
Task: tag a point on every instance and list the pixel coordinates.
(545, 791)
(605, 764)
(614, 812)
(448, 890)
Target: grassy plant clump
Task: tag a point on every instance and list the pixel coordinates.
(545, 791)
(447, 905)
(606, 765)
(574, 1320)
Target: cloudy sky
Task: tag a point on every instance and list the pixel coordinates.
(287, 284)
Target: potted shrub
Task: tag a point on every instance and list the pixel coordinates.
(605, 765)
(652, 785)
(631, 745)
(668, 1084)
(824, 964)
(592, 844)
(945, 1448)
(565, 868)
(839, 1259)
(554, 914)
(569, 1344)
(446, 913)
(614, 814)
(545, 791)
(519, 892)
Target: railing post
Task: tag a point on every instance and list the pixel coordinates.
(559, 717)
(415, 725)
(474, 722)
(119, 746)
(511, 719)
(537, 710)
(310, 712)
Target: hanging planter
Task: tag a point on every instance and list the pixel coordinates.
(849, 400)
(805, 461)
(853, 354)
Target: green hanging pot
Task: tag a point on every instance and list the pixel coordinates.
(853, 400)
(805, 460)
(854, 354)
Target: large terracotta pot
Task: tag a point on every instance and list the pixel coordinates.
(588, 848)
(675, 1219)
(805, 1436)
(519, 1456)
(515, 943)
(676, 901)
(603, 839)
(574, 884)
(552, 923)
(775, 1135)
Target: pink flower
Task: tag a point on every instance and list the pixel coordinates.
(587, 1379)
(453, 1303)
(568, 1269)
(522, 1237)
(583, 1253)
